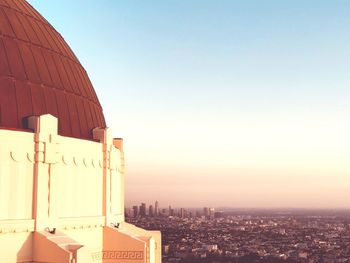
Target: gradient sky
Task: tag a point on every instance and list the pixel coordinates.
(221, 103)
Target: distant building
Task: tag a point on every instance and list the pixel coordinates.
(156, 209)
(210, 247)
(206, 212)
(151, 211)
(128, 212)
(211, 213)
(166, 249)
(219, 214)
(182, 213)
(143, 209)
(135, 210)
(169, 212)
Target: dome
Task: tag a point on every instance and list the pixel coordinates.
(39, 74)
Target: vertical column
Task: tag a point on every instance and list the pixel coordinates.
(105, 137)
(113, 176)
(120, 174)
(46, 155)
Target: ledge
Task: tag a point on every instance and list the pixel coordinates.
(81, 222)
(16, 226)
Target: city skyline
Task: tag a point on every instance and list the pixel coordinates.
(258, 236)
(241, 104)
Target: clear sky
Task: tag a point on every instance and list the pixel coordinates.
(236, 103)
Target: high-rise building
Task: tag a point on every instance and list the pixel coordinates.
(211, 213)
(171, 211)
(128, 212)
(182, 213)
(62, 172)
(135, 209)
(151, 211)
(156, 208)
(143, 209)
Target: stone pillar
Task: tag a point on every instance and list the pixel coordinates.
(113, 176)
(46, 155)
(105, 138)
(120, 173)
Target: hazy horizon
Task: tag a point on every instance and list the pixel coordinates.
(241, 209)
(165, 205)
(238, 208)
(240, 103)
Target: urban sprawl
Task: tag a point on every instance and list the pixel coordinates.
(227, 235)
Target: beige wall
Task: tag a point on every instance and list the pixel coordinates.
(16, 174)
(79, 178)
(76, 186)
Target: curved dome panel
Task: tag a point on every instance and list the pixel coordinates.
(40, 74)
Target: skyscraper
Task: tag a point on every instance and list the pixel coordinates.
(156, 208)
(182, 213)
(151, 211)
(171, 211)
(143, 209)
(135, 209)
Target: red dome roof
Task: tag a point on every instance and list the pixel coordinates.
(40, 74)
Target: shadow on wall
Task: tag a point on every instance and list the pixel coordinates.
(25, 253)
